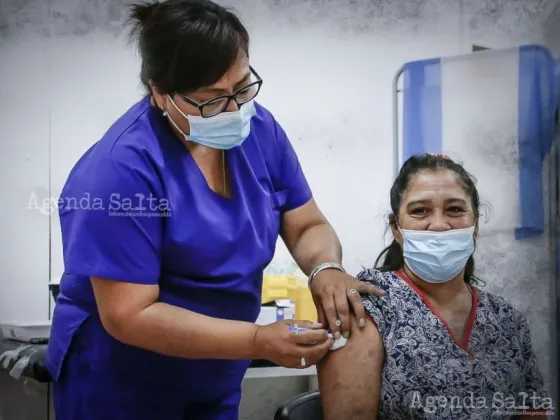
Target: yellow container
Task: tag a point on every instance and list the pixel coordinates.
(277, 286)
(305, 307)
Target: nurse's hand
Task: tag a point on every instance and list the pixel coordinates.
(292, 349)
(336, 294)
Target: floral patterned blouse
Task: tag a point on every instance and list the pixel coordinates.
(429, 374)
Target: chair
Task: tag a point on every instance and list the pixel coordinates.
(303, 407)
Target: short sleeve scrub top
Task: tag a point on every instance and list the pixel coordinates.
(137, 208)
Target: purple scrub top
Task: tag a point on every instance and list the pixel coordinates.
(136, 208)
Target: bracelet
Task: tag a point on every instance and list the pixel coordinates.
(322, 267)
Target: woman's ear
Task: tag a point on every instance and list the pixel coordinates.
(159, 100)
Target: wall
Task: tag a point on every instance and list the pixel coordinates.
(552, 30)
(66, 73)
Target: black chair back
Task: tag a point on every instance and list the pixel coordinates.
(303, 407)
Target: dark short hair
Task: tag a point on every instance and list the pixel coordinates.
(186, 44)
(393, 255)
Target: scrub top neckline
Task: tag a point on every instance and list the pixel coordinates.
(461, 342)
(231, 161)
(231, 175)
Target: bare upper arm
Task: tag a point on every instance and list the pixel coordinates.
(296, 221)
(118, 302)
(350, 378)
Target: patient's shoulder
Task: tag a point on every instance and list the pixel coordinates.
(384, 280)
(372, 275)
(380, 309)
(387, 281)
(398, 293)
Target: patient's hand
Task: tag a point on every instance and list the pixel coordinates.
(350, 377)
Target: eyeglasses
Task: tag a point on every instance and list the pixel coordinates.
(217, 105)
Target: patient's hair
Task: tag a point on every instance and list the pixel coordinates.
(392, 255)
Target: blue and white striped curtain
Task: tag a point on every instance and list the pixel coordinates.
(494, 111)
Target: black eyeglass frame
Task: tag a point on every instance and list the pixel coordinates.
(233, 97)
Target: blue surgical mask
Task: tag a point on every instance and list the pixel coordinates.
(223, 131)
(437, 257)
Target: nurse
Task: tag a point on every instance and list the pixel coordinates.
(188, 192)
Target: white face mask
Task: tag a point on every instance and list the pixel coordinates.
(222, 131)
(437, 257)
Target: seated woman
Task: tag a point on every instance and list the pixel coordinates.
(437, 347)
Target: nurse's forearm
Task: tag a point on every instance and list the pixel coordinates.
(174, 331)
(316, 245)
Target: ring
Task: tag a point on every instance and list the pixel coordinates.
(303, 361)
(296, 329)
(337, 323)
(352, 291)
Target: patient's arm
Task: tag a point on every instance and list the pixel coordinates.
(350, 377)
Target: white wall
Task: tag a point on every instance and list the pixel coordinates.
(327, 68)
